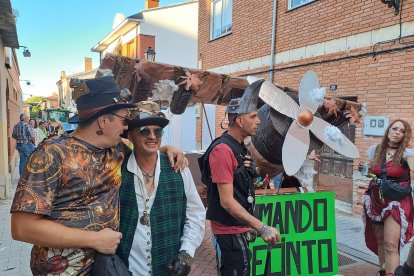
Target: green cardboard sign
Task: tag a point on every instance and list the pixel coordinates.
(306, 223)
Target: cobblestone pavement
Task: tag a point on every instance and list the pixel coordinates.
(14, 255)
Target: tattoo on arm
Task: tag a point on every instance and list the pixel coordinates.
(241, 215)
(267, 231)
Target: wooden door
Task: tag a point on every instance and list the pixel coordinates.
(335, 170)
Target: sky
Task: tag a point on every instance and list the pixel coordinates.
(60, 34)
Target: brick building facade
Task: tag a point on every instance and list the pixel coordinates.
(362, 47)
(10, 96)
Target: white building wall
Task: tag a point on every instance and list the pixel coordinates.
(63, 85)
(176, 31)
(206, 136)
(111, 47)
(181, 131)
(122, 39)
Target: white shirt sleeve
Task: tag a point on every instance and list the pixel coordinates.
(371, 152)
(408, 152)
(194, 226)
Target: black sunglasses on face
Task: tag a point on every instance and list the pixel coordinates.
(145, 131)
(125, 119)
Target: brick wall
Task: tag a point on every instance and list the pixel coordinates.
(143, 42)
(325, 20)
(251, 34)
(220, 114)
(13, 116)
(316, 22)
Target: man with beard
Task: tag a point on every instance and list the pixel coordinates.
(66, 202)
(228, 171)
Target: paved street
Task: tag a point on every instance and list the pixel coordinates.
(354, 258)
(14, 255)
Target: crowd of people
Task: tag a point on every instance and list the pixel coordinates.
(29, 133)
(86, 196)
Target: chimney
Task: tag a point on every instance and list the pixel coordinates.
(149, 4)
(88, 64)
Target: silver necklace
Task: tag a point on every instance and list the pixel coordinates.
(146, 175)
(145, 218)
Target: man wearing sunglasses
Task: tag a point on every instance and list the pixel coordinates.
(162, 216)
(67, 201)
(228, 172)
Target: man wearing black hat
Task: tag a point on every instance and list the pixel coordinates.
(66, 202)
(227, 170)
(162, 216)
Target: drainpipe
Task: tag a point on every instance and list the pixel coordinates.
(272, 50)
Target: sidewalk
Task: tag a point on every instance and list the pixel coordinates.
(14, 255)
(353, 256)
(355, 259)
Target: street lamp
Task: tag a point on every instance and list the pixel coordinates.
(26, 52)
(27, 82)
(21, 95)
(149, 54)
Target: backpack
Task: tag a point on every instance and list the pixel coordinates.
(203, 160)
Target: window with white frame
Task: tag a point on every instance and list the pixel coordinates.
(297, 3)
(221, 17)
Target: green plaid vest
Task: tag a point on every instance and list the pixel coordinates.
(167, 216)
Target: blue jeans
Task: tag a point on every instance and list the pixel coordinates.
(218, 253)
(24, 151)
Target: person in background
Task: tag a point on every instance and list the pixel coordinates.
(49, 128)
(389, 221)
(54, 131)
(67, 203)
(58, 128)
(228, 171)
(162, 216)
(23, 134)
(40, 133)
(33, 123)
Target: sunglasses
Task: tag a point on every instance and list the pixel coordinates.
(125, 119)
(145, 131)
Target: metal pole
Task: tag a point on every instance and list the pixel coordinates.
(208, 124)
(272, 50)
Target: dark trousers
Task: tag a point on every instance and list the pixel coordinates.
(235, 255)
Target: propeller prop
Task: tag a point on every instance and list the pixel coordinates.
(296, 144)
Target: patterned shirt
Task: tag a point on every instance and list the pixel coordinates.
(39, 134)
(23, 133)
(75, 184)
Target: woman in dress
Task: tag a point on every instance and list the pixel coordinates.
(389, 223)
